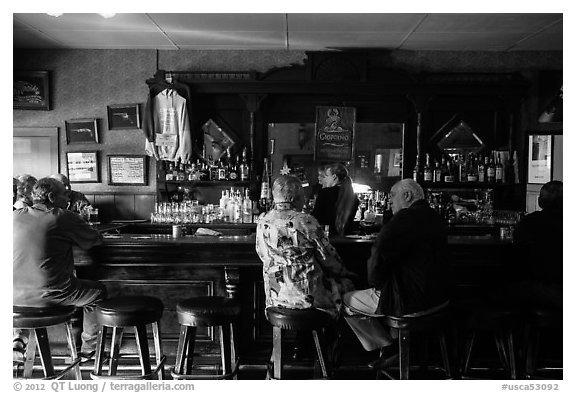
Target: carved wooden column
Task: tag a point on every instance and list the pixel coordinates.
(232, 280)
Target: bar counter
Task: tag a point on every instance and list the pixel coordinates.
(134, 261)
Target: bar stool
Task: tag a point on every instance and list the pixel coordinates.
(538, 321)
(206, 311)
(35, 320)
(128, 311)
(293, 319)
(500, 321)
(406, 325)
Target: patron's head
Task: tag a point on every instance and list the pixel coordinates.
(50, 192)
(25, 184)
(404, 193)
(62, 179)
(288, 189)
(551, 195)
(332, 174)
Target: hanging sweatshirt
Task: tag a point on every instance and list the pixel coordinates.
(172, 139)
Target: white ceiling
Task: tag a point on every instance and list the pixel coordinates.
(450, 32)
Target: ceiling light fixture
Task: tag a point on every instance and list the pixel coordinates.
(103, 15)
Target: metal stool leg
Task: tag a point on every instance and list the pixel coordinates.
(158, 349)
(404, 342)
(100, 347)
(225, 348)
(445, 357)
(468, 353)
(320, 353)
(144, 353)
(277, 352)
(30, 354)
(115, 349)
(44, 351)
(233, 358)
(191, 340)
(73, 351)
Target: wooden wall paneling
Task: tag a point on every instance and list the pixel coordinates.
(106, 206)
(124, 206)
(143, 206)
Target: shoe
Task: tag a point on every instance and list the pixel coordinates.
(18, 350)
(86, 356)
(384, 362)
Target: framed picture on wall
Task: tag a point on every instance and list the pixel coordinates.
(83, 167)
(540, 159)
(31, 90)
(127, 170)
(124, 117)
(81, 131)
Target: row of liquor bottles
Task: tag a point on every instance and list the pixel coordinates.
(227, 168)
(472, 168)
(234, 206)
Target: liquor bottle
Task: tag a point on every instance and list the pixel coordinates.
(462, 175)
(491, 171)
(175, 175)
(437, 172)
(449, 176)
(265, 192)
(444, 169)
(417, 172)
(428, 169)
(233, 173)
(181, 172)
(499, 175)
(471, 169)
(204, 171)
(170, 171)
(244, 168)
(222, 168)
(247, 210)
(481, 170)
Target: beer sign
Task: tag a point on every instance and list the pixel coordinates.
(334, 133)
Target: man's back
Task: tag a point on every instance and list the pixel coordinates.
(538, 242)
(43, 262)
(409, 261)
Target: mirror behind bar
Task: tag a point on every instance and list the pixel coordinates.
(378, 152)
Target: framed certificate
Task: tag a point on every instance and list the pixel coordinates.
(83, 167)
(127, 170)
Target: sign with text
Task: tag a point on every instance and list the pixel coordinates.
(127, 170)
(334, 133)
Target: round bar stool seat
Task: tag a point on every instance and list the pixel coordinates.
(35, 320)
(129, 311)
(206, 311)
(437, 320)
(312, 320)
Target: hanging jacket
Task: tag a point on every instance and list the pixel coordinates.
(166, 123)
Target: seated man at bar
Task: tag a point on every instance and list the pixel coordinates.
(407, 270)
(77, 200)
(24, 190)
(301, 268)
(538, 246)
(43, 263)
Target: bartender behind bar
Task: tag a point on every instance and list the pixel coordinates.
(336, 203)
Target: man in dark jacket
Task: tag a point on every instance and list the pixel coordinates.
(407, 268)
(538, 247)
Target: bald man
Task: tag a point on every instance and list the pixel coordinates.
(407, 270)
(77, 200)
